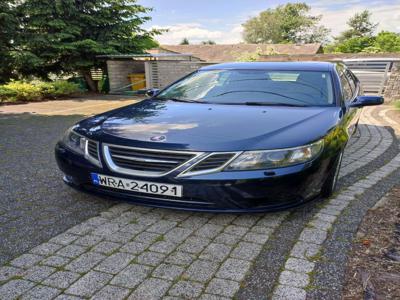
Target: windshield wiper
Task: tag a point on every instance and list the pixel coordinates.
(181, 100)
(273, 104)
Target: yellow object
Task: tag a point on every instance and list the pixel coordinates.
(138, 81)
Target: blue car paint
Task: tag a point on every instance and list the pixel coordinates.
(216, 127)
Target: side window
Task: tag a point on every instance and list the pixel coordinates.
(346, 87)
(351, 80)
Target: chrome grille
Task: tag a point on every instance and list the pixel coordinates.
(145, 162)
(213, 161)
(93, 150)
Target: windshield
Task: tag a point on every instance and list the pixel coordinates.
(264, 87)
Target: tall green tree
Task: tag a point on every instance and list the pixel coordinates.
(65, 36)
(8, 38)
(360, 25)
(184, 41)
(289, 23)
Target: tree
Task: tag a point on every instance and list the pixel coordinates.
(289, 23)
(59, 36)
(360, 26)
(387, 41)
(8, 37)
(209, 42)
(184, 41)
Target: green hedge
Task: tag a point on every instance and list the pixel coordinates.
(35, 91)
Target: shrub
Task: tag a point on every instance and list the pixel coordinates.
(397, 104)
(6, 93)
(23, 91)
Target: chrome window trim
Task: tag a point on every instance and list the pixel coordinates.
(187, 173)
(112, 166)
(90, 158)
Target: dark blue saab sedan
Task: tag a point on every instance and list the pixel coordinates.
(236, 137)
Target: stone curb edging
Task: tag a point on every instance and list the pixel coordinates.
(295, 278)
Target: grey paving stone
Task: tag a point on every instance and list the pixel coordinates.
(201, 270)
(26, 260)
(133, 228)
(194, 222)
(106, 247)
(152, 288)
(213, 297)
(234, 269)
(14, 288)
(295, 279)
(245, 250)
(180, 258)
(284, 292)
(64, 238)
(150, 258)
(38, 273)
(119, 237)
(107, 229)
(163, 247)
(134, 247)
(216, 252)
(168, 271)
(272, 220)
(88, 240)
(71, 251)
(41, 292)
(299, 265)
(131, 276)
(85, 262)
(7, 272)
(177, 235)
(115, 263)
(258, 238)
(96, 221)
(312, 235)
(262, 230)
(325, 217)
(56, 261)
(110, 292)
(147, 238)
(209, 230)
(68, 297)
(87, 285)
(222, 219)
(236, 230)
(320, 224)
(45, 249)
(246, 220)
(162, 226)
(304, 250)
(228, 239)
(186, 289)
(61, 279)
(223, 287)
(194, 244)
(81, 229)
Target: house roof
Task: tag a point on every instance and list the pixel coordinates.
(223, 53)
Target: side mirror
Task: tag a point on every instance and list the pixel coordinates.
(362, 101)
(152, 92)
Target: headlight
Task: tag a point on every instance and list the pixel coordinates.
(267, 159)
(74, 141)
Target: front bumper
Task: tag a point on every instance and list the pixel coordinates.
(239, 191)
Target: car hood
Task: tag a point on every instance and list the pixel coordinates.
(212, 127)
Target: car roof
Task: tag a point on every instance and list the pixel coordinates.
(281, 66)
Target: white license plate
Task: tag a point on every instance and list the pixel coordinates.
(137, 185)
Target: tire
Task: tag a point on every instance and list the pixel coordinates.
(330, 183)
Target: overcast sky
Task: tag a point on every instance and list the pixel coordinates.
(220, 20)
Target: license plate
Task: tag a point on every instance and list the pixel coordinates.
(137, 185)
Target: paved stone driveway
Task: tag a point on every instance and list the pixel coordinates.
(135, 252)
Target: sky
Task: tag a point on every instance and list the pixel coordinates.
(221, 20)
